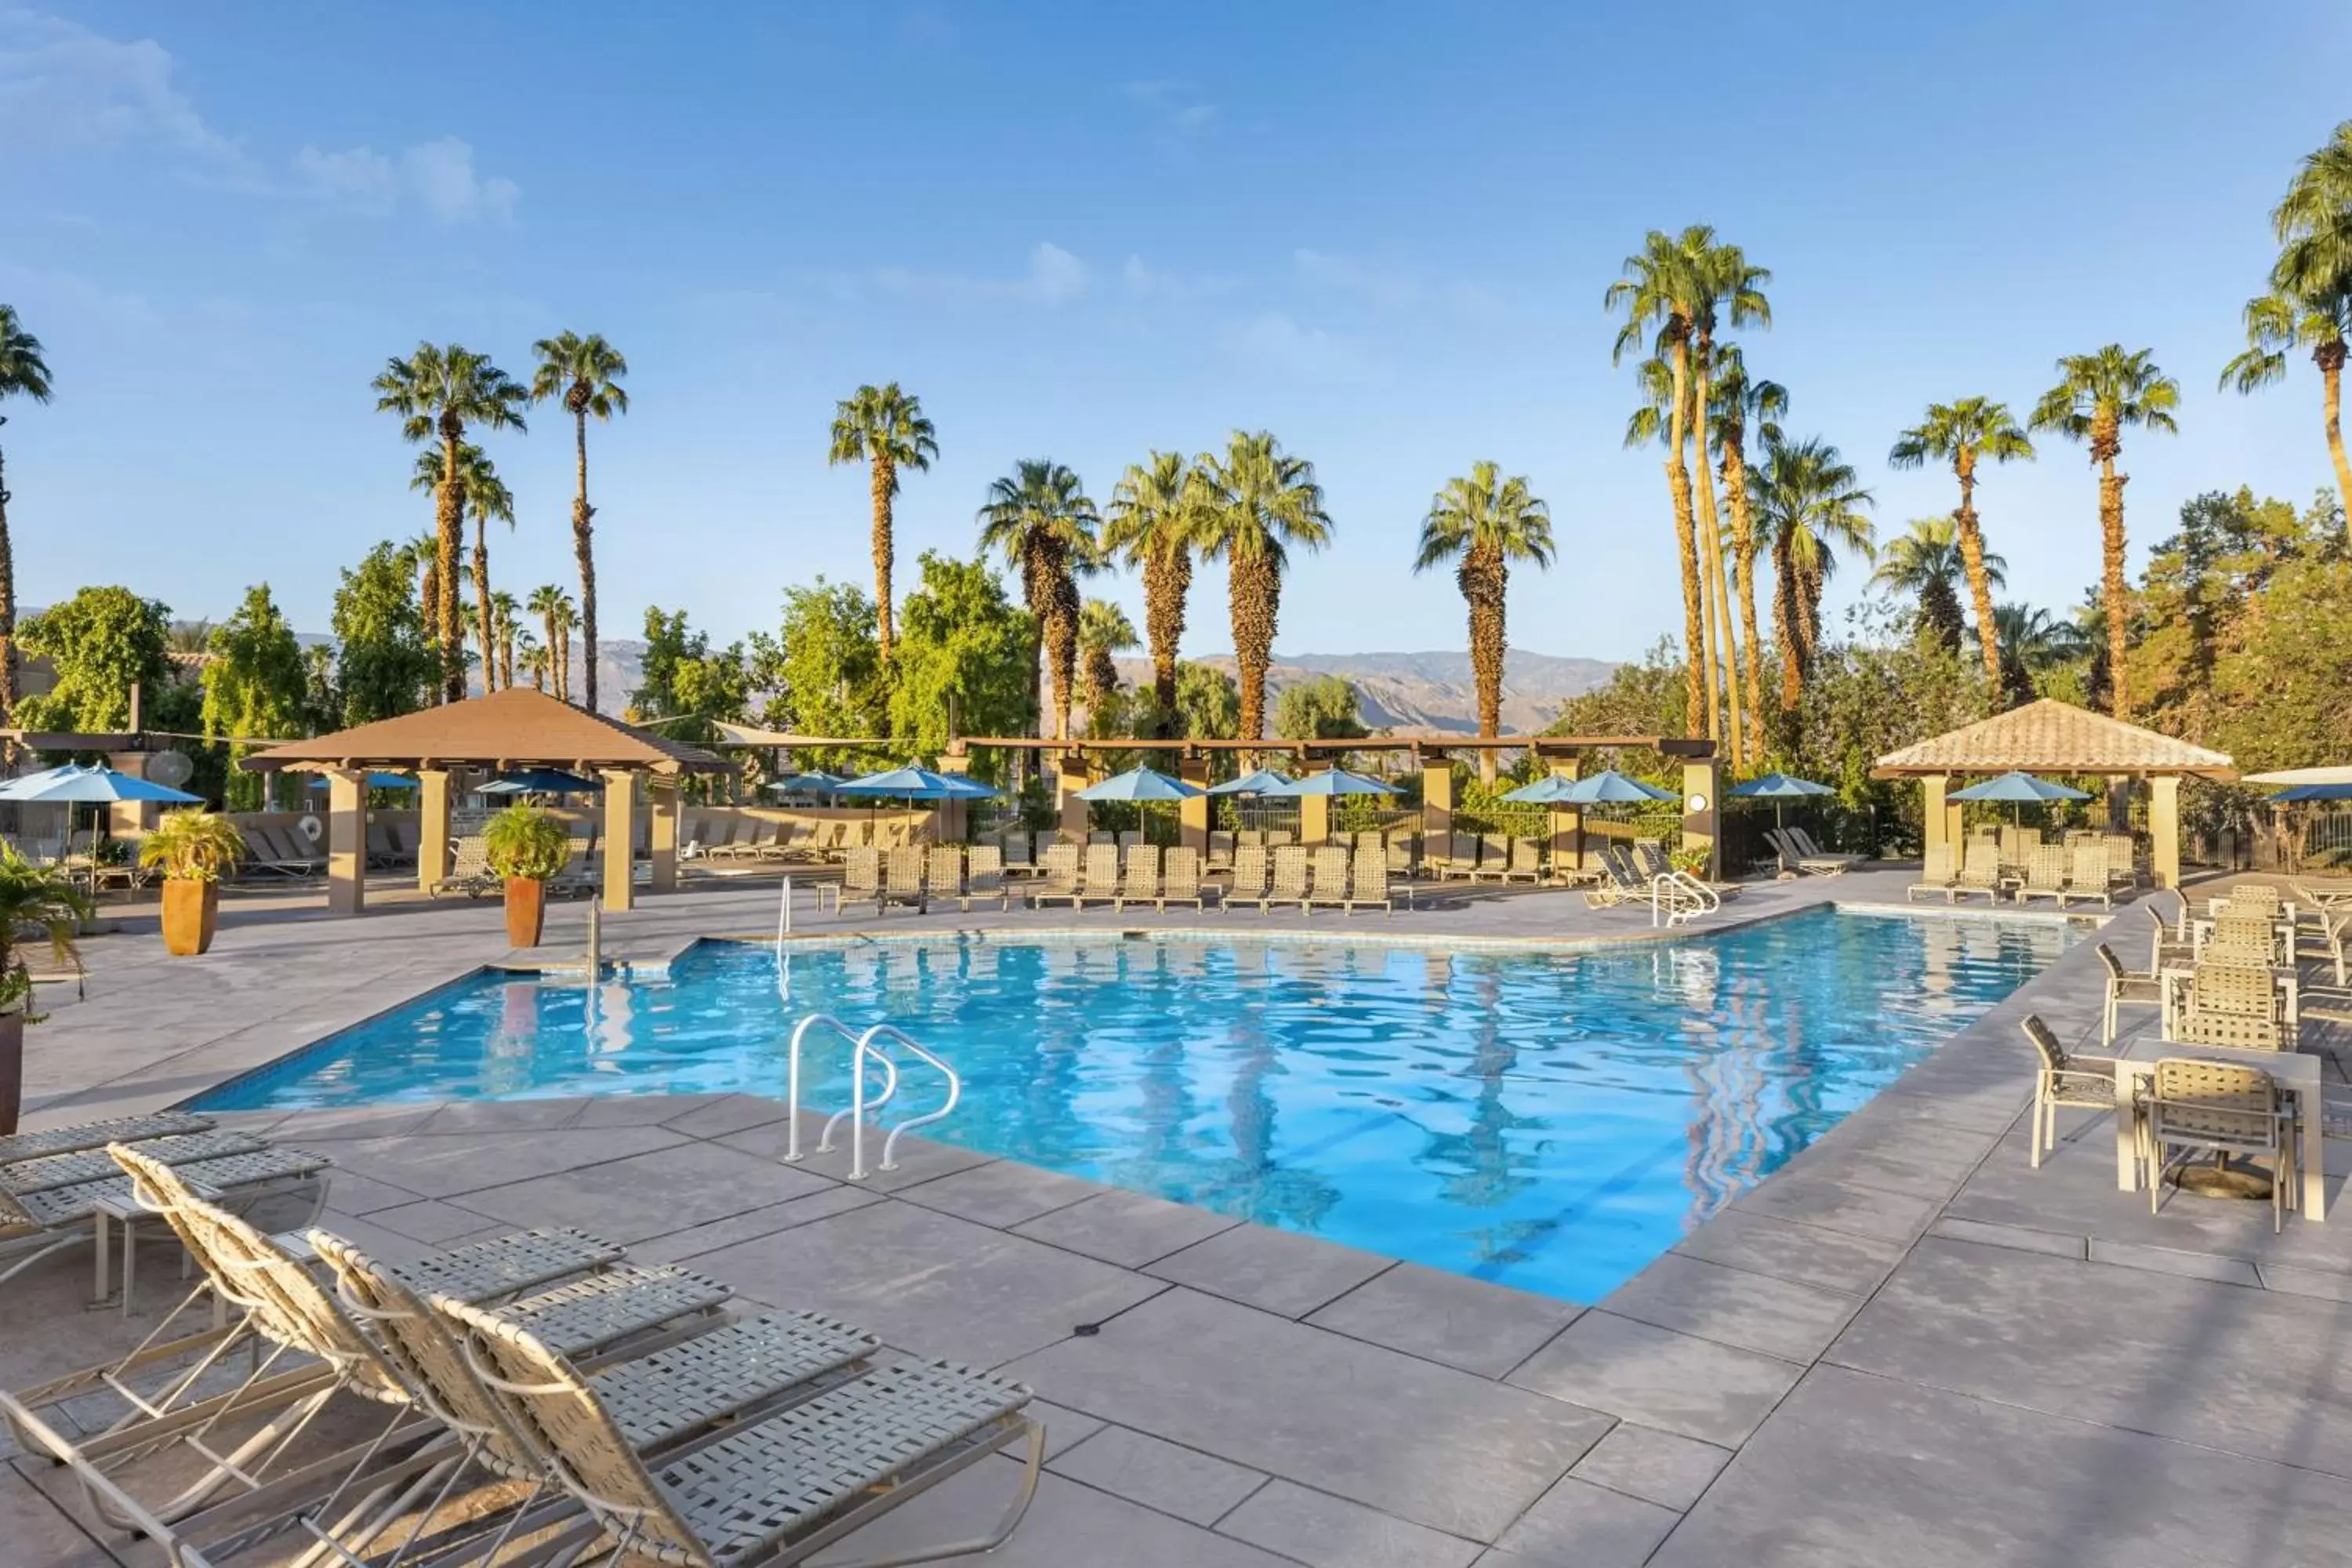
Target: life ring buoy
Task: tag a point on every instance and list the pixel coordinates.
(311, 828)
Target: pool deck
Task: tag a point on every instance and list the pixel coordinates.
(1906, 1346)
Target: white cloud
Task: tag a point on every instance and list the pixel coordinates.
(1275, 342)
(1175, 108)
(1143, 281)
(63, 86)
(1054, 277)
(1393, 288)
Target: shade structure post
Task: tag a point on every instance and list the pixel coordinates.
(346, 841)
(1070, 776)
(1436, 803)
(661, 794)
(130, 815)
(1192, 814)
(1938, 819)
(620, 840)
(1314, 819)
(1567, 824)
(2164, 831)
(1702, 812)
(432, 826)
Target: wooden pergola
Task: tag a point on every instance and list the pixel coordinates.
(2053, 737)
(510, 730)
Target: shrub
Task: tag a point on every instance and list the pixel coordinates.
(192, 846)
(523, 842)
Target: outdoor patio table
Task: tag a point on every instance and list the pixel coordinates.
(2298, 1072)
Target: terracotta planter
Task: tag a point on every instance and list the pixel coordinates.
(12, 1070)
(191, 914)
(526, 911)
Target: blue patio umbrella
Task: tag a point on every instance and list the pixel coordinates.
(75, 784)
(815, 782)
(1264, 781)
(2019, 789)
(374, 780)
(1553, 789)
(541, 780)
(2314, 792)
(1331, 781)
(1610, 787)
(1141, 784)
(916, 783)
(1780, 788)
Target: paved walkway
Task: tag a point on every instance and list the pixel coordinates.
(1905, 1346)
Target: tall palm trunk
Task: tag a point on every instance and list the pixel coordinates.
(1786, 631)
(2105, 446)
(555, 650)
(1695, 684)
(1720, 646)
(1485, 577)
(2329, 357)
(1037, 592)
(449, 546)
(1743, 550)
(1256, 601)
(583, 551)
(8, 606)
(1980, 583)
(490, 615)
(886, 486)
(1167, 580)
(1062, 647)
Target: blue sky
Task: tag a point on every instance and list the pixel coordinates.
(1083, 231)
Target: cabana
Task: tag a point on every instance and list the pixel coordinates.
(2053, 737)
(507, 731)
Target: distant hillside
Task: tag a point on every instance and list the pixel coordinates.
(1429, 691)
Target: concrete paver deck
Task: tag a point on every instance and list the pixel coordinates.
(1906, 1346)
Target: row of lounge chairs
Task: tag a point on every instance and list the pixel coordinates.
(637, 1416)
(1330, 876)
(1794, 850)
(2062, 873)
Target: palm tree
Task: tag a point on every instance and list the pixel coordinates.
(2098, 396)
(425, 557)
(528, 655)
(884, 427)
(1655, 296)
(439, 391)
(1262, 501)
(480, 490)
(2310, 284)
(1926, 562)
(1154, 524)
(553, 607)
(1104, 632)
(1039, 518)
(585, 373)
(1737, 402)
(2284, 320)
(503, 627)
(23, 373)
(1808, 508)
(1482, 523)
(2033, 641)
(1963, 434)
(1723, 287)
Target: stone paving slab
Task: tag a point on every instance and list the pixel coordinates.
(1676, 1382)
(1274, 1270)
(1198, 1487)
(1448, 1318)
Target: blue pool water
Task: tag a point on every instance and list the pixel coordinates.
(1548, 1120)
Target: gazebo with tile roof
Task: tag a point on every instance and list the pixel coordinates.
(509, 729)
(2050, 736)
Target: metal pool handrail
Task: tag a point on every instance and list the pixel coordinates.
(869, 1046)
(1678, 895)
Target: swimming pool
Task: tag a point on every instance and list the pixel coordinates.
(1550, 1120)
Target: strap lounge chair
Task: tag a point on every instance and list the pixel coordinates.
(1331, 884)
(1017, 851)
(861, 880)
(1936, 877)
(1249, 885)
(1275, 837)
(1367, 882)
(902, 878)
(1058, 880)
(1098, 877)
(2045, 875)
(1526, 864)
(2201, 1108)
(469, 870)
(1461, 857)
(1140, 884)
(1289, 878)
(1813, 863)
(1179, 881)
(1221, 852)
(2087, 874)
(1400, 853)
(985, 879)
(943, 874)
(1980, 870)
(1619, 882)
(1804, 839)
(84, 1135)
(2063, 1079)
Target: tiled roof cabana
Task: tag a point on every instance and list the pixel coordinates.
(2053, 737)
(509, 730)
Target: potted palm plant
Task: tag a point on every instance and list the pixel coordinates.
(526, 845)
(36, 903)
(192, 847)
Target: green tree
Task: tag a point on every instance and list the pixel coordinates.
(1039, 519)
(1104, 632)
(1739, 407)
(1644, 698)
(966, 659)
(1963, 433)
(1482, 524)
(555, 611)
(23, 373)
(823, 668)
(2309, 302)
(1208, 703)
(1157, 511)
(685, 684)
(482, 492)
(1925, 563)
(2099, 396)
(438, 392)
(100, 643)
(1809, 507)
(386, 664)
(885, 429)
(1262, 502)
(2033, 644)
(585, 373)
(256, 687)
(1322, 708)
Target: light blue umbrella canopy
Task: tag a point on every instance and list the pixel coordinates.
(541, 780)
(1610, 787)
(374, 780)
(816, 782)
(2315, 792)
(75, 784)
(1141, 784)
(1331, 781)
(2021, 788)
(1553, 789)
(1265, 781)
(1779, 787)
(916, 783)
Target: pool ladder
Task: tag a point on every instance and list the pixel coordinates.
(876, 1045)
(1677, 896)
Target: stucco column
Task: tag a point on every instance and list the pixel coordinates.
(1069, 777)
(1935, 821)
(1436, 805)
(1315, 818)
(131, 815)
(620, 840)
(346, 841)
(661, 794)
(2164, 831)
(1192, 815)
(432, 827)
(1701, 784)
(1567, 824)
